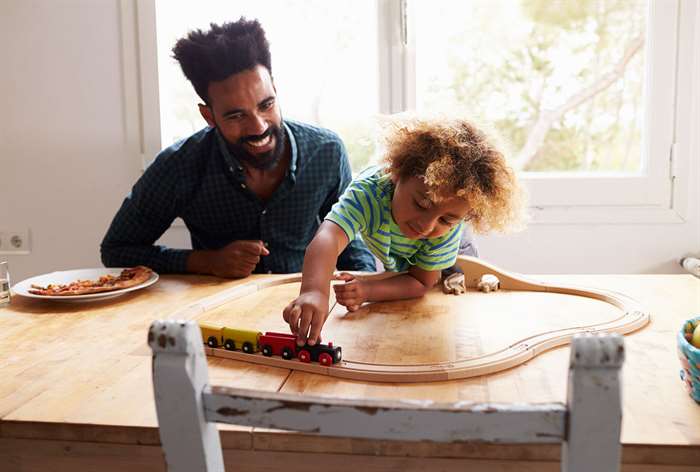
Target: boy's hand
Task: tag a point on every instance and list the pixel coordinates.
(352, 294)
(306, 315)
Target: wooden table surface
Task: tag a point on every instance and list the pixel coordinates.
(76, 394)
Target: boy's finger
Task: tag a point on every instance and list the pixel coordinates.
(304, 322)
(315, 334)
(339, 289)
(344, 276)
(286, 312)
(294, 318)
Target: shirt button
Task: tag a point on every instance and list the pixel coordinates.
(240, 168)
(264, 212)
(242, 185)
(266, 244)
(230, 169)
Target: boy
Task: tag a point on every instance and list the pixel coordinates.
(410, 215)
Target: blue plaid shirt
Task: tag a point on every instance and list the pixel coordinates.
(198, 180)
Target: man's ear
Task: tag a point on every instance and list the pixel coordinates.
(207, 114)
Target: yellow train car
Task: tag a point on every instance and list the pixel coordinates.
(243, 339)
(211, 334)
(230, 338)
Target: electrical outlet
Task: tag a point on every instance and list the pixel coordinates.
(14, 242)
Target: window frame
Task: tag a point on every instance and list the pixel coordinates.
(657, 197)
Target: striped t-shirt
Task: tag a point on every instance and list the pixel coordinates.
(365, 209)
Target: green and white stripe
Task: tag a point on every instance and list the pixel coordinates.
(364, 210)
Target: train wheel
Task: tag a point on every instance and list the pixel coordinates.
(230, 345)
(247, 348)
(267, 351)
(304, 356)
(287, 353)
(325, 359)
(212, 342)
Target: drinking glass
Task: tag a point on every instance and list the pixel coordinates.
(4, 284)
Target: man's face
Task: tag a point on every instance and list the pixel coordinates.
(244, 109)
(418, 216)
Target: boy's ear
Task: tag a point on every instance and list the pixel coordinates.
(207, 114)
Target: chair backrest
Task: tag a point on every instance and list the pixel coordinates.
(587, 426)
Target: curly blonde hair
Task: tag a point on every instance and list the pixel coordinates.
(456, 159)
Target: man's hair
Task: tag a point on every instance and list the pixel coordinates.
(212, 56)
(456, 159)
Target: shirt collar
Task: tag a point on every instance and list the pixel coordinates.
(235, 165)
(293, 151)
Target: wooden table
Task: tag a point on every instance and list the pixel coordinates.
(76, 394)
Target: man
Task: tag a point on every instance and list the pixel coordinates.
(251, 188)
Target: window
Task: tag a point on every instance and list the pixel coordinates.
(324, 63)
(585, 93)
(563, 83)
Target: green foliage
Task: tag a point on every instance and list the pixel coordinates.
(566, 14)
(569, 46)
(562, 151)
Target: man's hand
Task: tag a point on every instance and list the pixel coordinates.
(352, 294)
(235, 260)
(306, 315)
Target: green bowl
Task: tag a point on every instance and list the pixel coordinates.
(689, 356)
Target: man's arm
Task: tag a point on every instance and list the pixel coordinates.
(147, 213)
(356, 256)
(144, 216)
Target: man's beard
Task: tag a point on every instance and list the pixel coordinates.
(264, 161)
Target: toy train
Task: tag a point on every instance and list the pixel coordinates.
(277, 344)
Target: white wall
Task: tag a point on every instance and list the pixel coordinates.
(65, 164)
(64, 168)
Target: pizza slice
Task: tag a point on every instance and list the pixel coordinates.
(107, 283)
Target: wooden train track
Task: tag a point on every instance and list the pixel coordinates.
(631, 318)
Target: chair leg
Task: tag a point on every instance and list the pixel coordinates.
(180, 374)
(594, 405)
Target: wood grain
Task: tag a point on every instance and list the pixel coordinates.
(78, 376)
(436, 337)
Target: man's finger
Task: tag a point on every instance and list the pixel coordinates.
(246, 258)
(254, 248)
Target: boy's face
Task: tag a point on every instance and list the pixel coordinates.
(419, 217)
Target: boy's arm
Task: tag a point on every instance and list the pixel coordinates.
(308, 312)
(411, 285)
(355, 256)
(414, 284)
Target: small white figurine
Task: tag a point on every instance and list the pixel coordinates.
(454, 284)
(488, 283)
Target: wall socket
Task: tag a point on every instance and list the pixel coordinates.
(15, 242)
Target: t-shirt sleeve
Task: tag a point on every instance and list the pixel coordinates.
(355, 210)
(440, 253)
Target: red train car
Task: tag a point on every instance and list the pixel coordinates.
(278, 344)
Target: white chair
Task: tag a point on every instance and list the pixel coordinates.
(588, 425)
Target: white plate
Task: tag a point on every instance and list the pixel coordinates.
(67, 276)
